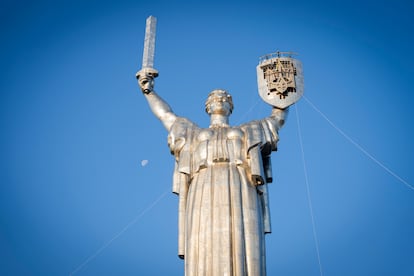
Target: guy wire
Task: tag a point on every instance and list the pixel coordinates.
(358, 146)
(305, 171)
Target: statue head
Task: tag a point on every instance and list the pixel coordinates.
(219, 102)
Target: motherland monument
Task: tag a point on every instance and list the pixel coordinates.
(222, 172)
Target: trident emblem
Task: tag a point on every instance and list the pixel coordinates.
(280, 79)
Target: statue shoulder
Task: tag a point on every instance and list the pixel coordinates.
(181, 132)
(263, 132)
(182, 124)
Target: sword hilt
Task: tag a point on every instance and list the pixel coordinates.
(146, 78)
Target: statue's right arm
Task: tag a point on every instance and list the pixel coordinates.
(158, 106)
(161, 109)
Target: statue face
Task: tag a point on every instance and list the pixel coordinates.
(219, 102)
(219, 105)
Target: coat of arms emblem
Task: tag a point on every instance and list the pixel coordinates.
(280, 79)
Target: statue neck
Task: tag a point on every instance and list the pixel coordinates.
(219, 120)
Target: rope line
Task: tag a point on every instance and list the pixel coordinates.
(253, 106)
(132, 222)
(358, 146)
(305, 171)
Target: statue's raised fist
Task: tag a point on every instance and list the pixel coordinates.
(146, 79)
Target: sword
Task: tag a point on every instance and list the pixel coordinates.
(149, 43)
(147, 72)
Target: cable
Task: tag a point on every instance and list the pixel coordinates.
(305, 171)
(240, 120)
(132, 222)
(358, 146)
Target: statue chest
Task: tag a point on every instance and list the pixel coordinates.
(215, 145)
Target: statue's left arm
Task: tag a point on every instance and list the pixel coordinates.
(279, 115)
(262, 137)
(274, 122)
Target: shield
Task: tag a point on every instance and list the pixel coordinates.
(280, 79)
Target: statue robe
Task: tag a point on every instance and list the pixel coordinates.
(221, 176)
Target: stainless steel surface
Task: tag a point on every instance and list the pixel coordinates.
(149, 43)
(147, 73)
(221, 176)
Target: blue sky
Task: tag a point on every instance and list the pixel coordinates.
(74, 196)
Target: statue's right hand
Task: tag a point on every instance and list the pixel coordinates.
(146, 78)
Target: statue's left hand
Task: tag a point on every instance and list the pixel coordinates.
(146, 78)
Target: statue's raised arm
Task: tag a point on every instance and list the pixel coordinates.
(158, 106)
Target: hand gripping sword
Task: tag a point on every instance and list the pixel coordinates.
(147, 72)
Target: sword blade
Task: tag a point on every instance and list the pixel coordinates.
(149, 43)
